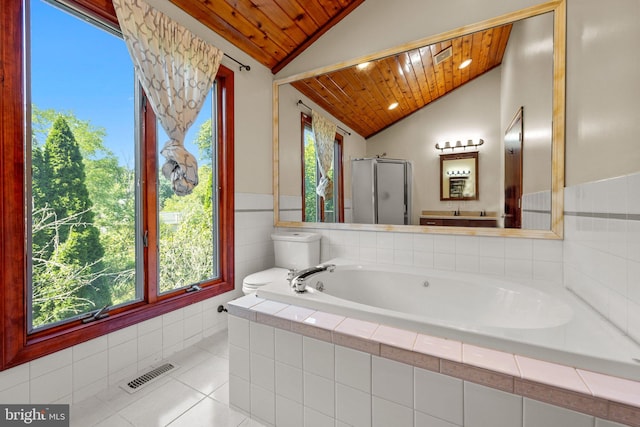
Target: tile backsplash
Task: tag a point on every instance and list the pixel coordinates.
(499, 256)
(602, 248)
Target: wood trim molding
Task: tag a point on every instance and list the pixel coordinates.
(16, 344)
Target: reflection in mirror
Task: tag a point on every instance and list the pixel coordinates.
(399, 105)
(459, 176)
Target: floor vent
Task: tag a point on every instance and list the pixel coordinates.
(137, 383)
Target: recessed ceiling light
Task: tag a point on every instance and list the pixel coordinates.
(464, 64)
(363, 65)
(393, 105)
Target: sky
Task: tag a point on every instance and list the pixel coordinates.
(78, 68)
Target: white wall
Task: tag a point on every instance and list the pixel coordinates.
(603, 90)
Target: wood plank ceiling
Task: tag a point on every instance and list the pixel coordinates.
(273, 32)
(360, 97)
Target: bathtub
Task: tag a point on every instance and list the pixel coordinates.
(529, 318)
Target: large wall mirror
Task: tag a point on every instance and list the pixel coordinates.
(405, 105)
(459, 176)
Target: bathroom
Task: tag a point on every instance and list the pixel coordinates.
(599, 255)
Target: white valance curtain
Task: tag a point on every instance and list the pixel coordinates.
(324, 133)
(176, 70)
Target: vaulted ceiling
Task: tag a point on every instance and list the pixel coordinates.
(362, 96)
(274, 32)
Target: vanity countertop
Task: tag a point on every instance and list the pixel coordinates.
(475, 215)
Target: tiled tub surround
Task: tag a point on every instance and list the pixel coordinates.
(528, 317)
(602, 248)
(293, 366)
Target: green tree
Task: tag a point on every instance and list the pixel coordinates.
(89, 137)
(111, 188)
(204, 143)
(310, 181)
(65, 192)
(186, 245)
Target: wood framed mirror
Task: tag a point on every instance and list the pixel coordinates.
(459, 176)
(549, 125)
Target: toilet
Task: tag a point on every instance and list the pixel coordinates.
(294, 250)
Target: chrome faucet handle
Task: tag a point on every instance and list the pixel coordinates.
(299, 280)
(329, 267)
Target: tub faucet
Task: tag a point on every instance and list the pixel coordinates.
(299, 280)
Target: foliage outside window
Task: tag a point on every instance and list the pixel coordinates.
(101, 228)
(315, 209)
(187, 229)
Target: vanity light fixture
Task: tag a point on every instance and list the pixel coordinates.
(459, 144)
(393, 105)
(363, 65)
(464, 64)
(459, 172)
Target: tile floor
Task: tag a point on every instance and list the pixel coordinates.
(195, 394)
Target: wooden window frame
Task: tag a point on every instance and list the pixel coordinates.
(305, 120)
(17, 344)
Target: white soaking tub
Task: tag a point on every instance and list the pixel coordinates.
(529, 318)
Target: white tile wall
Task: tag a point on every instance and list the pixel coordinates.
(354, 388)
(507, 257)
(602, 248)
(76, 373)
(353, 368)
(439, 395)
(319, 394)
(484, 406)
(536, 211)
(353, 406)
(392, 381)
(541, 414)
(386, 413)
(318, 357)
(289, 382)
(253, 228)
(288, 412)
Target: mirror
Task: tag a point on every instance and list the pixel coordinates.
(481, 108)
(459, 176)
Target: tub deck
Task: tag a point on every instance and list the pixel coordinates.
(582, 339)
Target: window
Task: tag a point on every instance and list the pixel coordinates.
(94, 224)
(314, 208)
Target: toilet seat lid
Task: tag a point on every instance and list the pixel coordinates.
(266, 276)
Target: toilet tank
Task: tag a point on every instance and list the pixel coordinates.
(296, 249)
